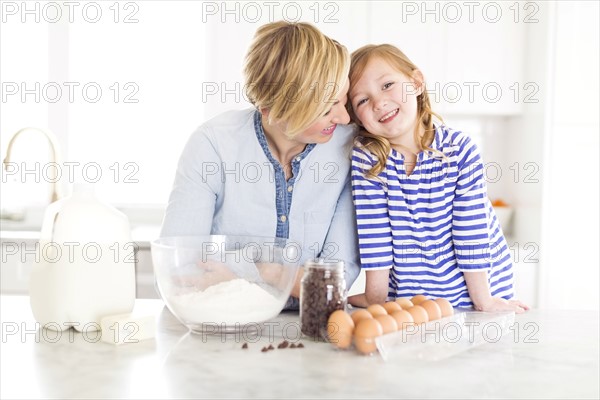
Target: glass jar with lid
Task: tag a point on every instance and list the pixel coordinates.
(322, 291)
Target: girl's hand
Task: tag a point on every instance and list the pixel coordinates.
(499, 304)
(479, 292)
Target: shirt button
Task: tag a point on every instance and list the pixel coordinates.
(290, 188)
(297, 158)
(283, 218)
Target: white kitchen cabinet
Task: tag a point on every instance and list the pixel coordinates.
(485, 60)
(423, 43)
(18, 259)
(233, 25)
(20, 252)
(144, 275)
(344, 21)
(470, 53)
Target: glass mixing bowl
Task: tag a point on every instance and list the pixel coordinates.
(223, 283)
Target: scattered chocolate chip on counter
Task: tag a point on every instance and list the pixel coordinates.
(283, 345)
(245, 346)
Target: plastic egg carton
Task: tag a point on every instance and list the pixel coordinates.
(446, 337)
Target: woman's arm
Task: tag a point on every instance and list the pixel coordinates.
(479, 291)
(341, 242)
(376, 289)
(192, 200)
(296, 288)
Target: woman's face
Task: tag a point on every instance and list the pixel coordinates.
(385, 101)
(322, 130)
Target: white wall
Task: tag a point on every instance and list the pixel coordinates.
(570, 215)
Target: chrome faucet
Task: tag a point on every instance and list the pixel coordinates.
(54, 147)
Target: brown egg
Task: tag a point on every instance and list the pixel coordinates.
(419, 314)
(365, 333)
(433, 310)
(340, 328)
(418, 299)
(392, 306)
(359, 315)
(403, 319)
(445, 306)
(404, 303)
(376, 309)
(388, 323)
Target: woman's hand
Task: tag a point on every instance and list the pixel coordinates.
(271, 273)
(203, 275)
(213, 272)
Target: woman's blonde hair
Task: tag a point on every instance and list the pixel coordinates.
(377, 145)
(295, 72)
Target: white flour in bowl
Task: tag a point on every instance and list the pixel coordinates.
(232, 302)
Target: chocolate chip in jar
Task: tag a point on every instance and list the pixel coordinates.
(322, 291)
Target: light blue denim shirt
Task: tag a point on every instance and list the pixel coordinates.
(228, 183)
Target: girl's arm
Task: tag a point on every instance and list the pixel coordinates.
(470, 230)
(374, 230)
(479, 291)
(376, 289)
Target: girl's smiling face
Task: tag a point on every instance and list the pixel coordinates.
(385, 101)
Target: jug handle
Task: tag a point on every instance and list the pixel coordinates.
(49, 222)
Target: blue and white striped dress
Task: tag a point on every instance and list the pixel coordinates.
(430, 226)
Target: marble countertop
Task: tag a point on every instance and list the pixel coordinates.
(548, 354)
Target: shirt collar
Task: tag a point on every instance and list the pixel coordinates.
(436, 144)
(262, 139)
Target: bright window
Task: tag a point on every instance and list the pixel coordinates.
(119, 84)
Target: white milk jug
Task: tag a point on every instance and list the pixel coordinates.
(85, 268)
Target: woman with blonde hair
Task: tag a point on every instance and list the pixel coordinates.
(280, 169)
